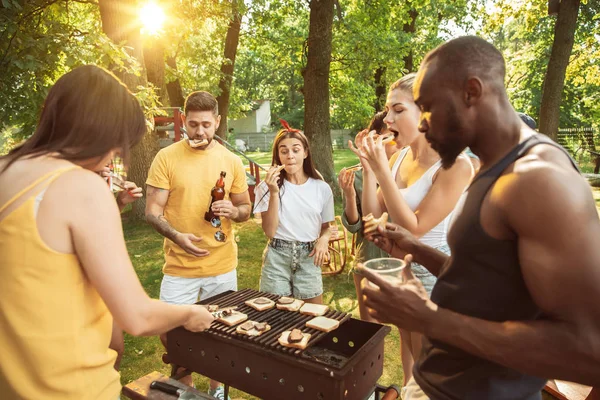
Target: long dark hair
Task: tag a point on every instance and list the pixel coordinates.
(87, 113)
(377, 123)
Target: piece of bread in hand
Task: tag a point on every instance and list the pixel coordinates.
(314, 309)
(370, 223)
(253, 328)
(260, 303)
(289, 304)
(323, 324)
(284, 340)
(233, 319)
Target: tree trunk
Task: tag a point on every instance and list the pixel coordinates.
(231, 44)
(154, 61)
(564, 36)
(380, 88)
(410, 28)
(176, 98)
(316, 89)
(116, 16)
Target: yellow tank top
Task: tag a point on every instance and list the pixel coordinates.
(54, 327)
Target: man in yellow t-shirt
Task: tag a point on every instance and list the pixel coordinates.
(200, 256)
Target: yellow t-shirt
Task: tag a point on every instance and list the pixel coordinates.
(189, 175)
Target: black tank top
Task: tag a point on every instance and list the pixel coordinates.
(482, 278)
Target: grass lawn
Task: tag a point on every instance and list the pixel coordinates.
(143, 354)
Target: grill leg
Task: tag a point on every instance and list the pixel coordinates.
(226, 390)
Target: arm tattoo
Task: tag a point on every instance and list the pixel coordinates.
(160, 223)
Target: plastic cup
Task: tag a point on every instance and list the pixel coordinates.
(389, 269)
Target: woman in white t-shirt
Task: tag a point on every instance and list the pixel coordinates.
(414, 189)
(296, 207)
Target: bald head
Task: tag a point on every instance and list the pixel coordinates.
(465, 57)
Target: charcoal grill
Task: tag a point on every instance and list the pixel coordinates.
(343, 364)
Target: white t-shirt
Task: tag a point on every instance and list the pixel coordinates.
(302, 208)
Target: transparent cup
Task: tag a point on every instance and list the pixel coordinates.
(388, 268)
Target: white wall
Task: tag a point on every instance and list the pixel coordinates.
(263, 116)
(242, 125)
(255, 121)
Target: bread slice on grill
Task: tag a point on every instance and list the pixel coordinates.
(314, 309)
(323, 324)
(253, 331)
(284, 341)
(293, 306)
(235, 318)
(261, 303)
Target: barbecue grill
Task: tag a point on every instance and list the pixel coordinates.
(343, 364)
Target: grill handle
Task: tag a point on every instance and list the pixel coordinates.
(165, 387)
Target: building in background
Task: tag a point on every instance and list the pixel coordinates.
(257, 120)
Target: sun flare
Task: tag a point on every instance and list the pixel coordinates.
(152, 17)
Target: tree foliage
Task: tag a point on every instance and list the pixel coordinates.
(40, 41)
(524, 32)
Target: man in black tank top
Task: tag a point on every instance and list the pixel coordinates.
(517, 301)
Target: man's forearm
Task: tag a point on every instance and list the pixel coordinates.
(160, 223)
(428, 257)
(545, 348)
(243, 213)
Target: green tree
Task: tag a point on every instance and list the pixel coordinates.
(228, 64)
(117, 22)
(564, 38)
(525, 33)
(316, 88)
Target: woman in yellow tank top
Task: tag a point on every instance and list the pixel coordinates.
(65, 272)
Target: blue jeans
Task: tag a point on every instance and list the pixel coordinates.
(423, 274)
(289, 271)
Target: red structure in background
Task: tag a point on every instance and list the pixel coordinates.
(174, 117)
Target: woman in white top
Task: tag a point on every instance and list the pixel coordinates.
(295, 206)
(417, 194)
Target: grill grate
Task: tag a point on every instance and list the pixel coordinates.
(343, 364)
(279, 320)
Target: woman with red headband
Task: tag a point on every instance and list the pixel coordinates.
(295, 206)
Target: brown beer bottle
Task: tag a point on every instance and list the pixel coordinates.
(217, 193)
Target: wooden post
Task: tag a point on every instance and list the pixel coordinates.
(177, 124)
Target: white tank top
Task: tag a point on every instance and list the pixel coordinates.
(414, 195)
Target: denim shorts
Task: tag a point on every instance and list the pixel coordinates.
(423, 274)
(289, 271)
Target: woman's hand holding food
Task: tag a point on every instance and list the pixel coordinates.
(272, 178)
(358, 148)
(199, 320)
(346, 182)
(373, 152)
